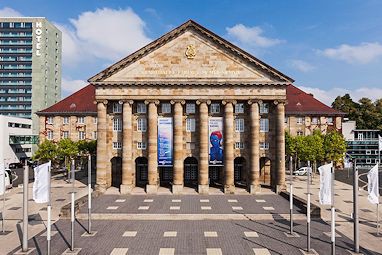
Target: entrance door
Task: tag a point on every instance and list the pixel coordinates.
(191, 171)
(214, 174)
(116, 172)
(141, 171)
(165, 175)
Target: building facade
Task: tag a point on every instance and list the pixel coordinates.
(190, 108)
(362, 144)
(17, 139)
(30, 67)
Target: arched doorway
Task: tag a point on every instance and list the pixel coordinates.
(265, 171)
(116, 171)
(240, 173)
(190, 171)
(141, 171)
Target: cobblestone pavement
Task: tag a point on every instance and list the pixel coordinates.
(211, 237)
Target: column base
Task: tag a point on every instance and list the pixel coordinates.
(280, 188)
(177, 189)
(126, 188)
(203, 189)
(100, 188)
(229, 189)
(151, 189)
(254, 189)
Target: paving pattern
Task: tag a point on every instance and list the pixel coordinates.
(211, 237)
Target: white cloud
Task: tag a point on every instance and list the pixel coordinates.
(301, 65)
(105, 34)
(69, 86)
(9, 12)
(328, 96)
(251, 36)
(363, 53)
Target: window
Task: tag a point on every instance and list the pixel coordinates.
(141, 146)
(117, 124)
(314, 120)
(239, 125)
(190, 125)
(141, 108)
(285, 119)
(95, 120)
(49, 120)
(190, 108)
(264, 146)
(239, 108)
(166, 108)
(300, 120)
(264, 108)
(368, 161)
(117, 145)
(300, 133)
(65, 134)
(80, 120)
(117, 107)
(49, 135)
(264, 125)
(141, 125)
(65, 120)
(329, 120)
(239, 145)
(368, 152)
(360, 136)
(81, 135)
(215, 108)
(95, 135)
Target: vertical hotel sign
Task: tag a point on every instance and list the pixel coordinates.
(38, 36)
(215, 131)
(165, 142)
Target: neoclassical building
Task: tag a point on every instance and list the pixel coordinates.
(190, 108)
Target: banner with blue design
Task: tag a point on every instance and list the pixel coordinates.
(165, 142)
(215, 128)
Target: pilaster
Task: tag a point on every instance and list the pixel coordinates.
(101, 183)
(127, 143)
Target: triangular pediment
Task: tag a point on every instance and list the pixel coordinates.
(190, 53)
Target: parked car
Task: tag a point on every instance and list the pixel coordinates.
(302, 171)
(15, 165)
(8, 178)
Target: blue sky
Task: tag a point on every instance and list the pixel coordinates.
(328, 47)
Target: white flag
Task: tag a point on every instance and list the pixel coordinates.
(372, 185)
(380, 142)
(2, 179)
(325, 195)
(41, 183)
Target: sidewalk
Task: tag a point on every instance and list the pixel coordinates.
(344, 209)
(37, 213)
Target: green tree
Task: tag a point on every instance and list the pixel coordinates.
(47, 150)
(87, 147)
(334, 146)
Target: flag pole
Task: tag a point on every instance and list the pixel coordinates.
(25, 208)
(355, 206)
(308, 209)
(48, 235)
(3, 211)
(291, 195)
(89, 193)
(333, 227)
(72, 207)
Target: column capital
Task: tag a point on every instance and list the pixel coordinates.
(105, 102)
(178, 101)
(125, 101)
(150, 101)
(252, 101)
(280, 101)
(200, 101)
(229, 101)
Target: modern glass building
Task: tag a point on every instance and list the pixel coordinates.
(30, 67)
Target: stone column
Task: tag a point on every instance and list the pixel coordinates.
(178, 170)
(254, 171)
(229, 182)
(280, 151)
(152, 129)
(102, 149)
(203, 147)
(127, 149)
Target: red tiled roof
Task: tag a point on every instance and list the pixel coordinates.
(300, 102)
(80, 102)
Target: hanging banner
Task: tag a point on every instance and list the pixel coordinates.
(215, 131)
(165, 142)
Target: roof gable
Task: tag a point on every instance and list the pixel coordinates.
(209, 57)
